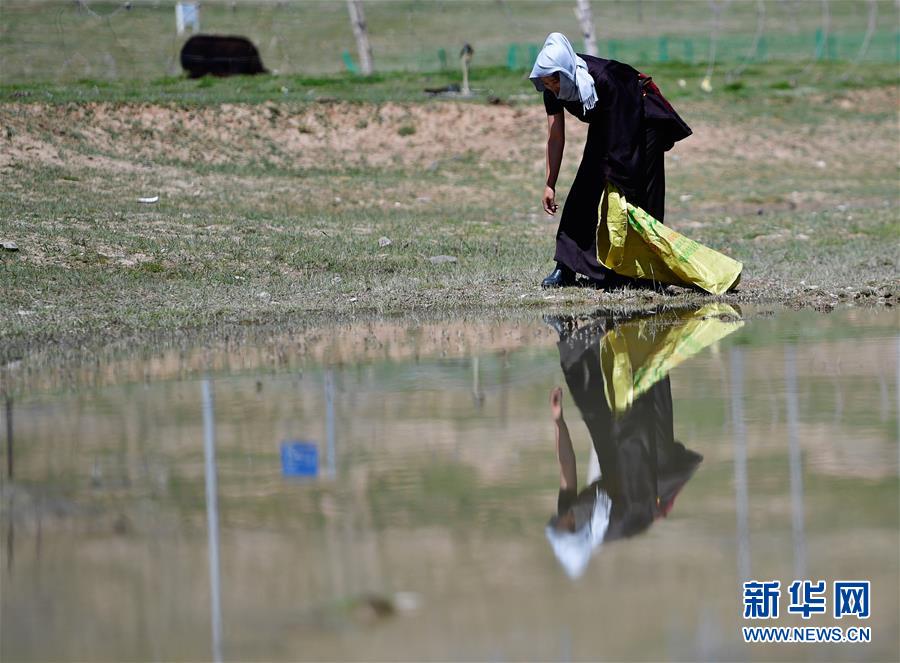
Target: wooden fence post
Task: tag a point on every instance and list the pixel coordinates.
(361, 32)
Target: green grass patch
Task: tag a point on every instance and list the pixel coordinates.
(678, 80)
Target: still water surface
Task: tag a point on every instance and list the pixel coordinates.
(409, 507)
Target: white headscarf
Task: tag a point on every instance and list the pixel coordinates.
(574, 549)
(575, 83)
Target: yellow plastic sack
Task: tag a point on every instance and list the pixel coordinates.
(636, 355)
(632, 243)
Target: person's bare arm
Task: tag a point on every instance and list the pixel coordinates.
(568, 478)
(556, 142)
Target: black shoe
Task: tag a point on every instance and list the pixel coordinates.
(561, 277)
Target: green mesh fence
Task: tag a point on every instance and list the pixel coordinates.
(71, 40)
(883, 47)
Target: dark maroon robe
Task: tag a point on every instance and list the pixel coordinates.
(628, 133)
(643, 467)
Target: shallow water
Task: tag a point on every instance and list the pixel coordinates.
(134, 529)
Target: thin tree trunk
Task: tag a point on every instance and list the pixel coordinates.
(361, 32)
(757, 38)
(870, 30)
(586, 20)
(826, 30)
(867, 39)
(716, 6)
(791, 7)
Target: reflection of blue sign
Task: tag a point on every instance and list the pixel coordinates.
(299, 459)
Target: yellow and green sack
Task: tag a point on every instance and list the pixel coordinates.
(632, 243)
(636, 355)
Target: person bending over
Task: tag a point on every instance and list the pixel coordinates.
(630, 127)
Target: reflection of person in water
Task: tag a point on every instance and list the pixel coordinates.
(637, 466)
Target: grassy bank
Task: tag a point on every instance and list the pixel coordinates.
(275, 211)
(679, 80)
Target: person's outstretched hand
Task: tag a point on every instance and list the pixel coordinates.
(549, 200)
(556, 403)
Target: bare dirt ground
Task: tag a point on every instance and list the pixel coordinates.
(347, 135)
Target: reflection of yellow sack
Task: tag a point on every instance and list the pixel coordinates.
(632, 243)
(636, 355)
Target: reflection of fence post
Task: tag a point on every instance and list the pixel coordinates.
(9, 437)
(10, 527)
(330, 449)
(566, 644)
(477, 393)
(739, 437)
(503, 388)
(796, 463)
(212, 518)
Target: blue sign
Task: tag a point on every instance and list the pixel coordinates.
(299, 459)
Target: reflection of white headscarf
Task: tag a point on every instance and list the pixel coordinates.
(574, 549)
(575, 83)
